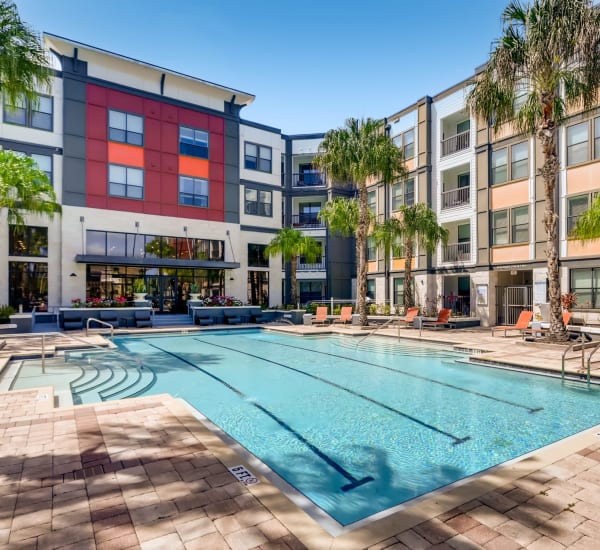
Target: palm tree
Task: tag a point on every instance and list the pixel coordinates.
(292, 244)
(356, 153)
(415, 226)
(24, 188)
(588, 224)
(550, 49)
(23, 62)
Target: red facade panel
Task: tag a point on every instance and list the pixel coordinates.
(160, 151)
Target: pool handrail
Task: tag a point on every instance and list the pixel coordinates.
(385, 324)
(100, 322)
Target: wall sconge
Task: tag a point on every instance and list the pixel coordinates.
(231, 279)
(73, 275)
(137, 224)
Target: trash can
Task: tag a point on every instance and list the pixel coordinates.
(307, 318)
(417, 322)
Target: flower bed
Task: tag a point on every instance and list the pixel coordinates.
(221, 301)
(119, 301)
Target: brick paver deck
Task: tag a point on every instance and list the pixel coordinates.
(140, 473)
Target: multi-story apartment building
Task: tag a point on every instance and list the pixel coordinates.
(160, 178)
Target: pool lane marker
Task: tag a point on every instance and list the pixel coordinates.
(531, 410)
(455, 440)
(354, 482)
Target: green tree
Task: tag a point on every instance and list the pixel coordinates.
(24, 188)
(415, 226)
(358, 153)
(292, 244)
(548, 58)
(588, 224)
(23, 63)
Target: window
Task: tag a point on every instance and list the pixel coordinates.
(124, 181)
(398, 248)
(28, 241)
(519, 165)
(35, 114)
(28, 285)
(403, 193)
(258, 202)
(44, 163)
(256, 255)
(193, 143)
(521, 93)
(517, 219)
(586, 284)
(125, 127)
(371, 289)
(193, 191)
(597, 138)
(406, 142)
(576, 206)
(308, 213)
(399, 291)
(372, 201)
(499, 166)
(371, 250)
(577, 143)
(257, 157)
(258, 288)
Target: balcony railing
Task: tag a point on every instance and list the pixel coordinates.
(313, 178)
(456, 197)
(318, 266)
(306, 220)
(456, 143)
(457, 252)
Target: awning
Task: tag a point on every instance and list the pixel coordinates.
(154, 262)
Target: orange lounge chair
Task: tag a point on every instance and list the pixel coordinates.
(443, 320)
(521, 324)
(320, 317)
(409, 318)
(566, 318)
(345, 315)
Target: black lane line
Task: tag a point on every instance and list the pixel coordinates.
(400, 371)
(354, 482)
(456, 440)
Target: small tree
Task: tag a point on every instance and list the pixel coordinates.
(359, 152)
(292, 244)
(588, 224)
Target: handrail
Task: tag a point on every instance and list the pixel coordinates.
(590, 360)
(101, 322)
(376, 329)
(570, 347)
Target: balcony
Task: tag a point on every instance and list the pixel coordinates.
(307, 221)
(310, 178)
(456, 197)
(318, 266)
(455, 143)
(457, 252)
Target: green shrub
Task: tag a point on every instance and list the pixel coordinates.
(6, 311)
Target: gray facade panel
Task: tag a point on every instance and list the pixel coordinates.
(232, 171)
(75, 146)
(73, 175)
(74, 89)
(73, 199)
(74, 118)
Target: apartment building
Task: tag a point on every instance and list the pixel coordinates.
(161, 178)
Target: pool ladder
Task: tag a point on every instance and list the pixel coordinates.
(383, 325)
(594, 345)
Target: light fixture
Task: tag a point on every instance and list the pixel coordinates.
(137, 224)
(73, 275)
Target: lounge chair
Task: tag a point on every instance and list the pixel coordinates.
(345, 315)
(110, 317)
(204, 319)
(443, 320)
(566, 318)
(143, 318)
(232, 317)
(521, 324)
(409, 318)
(320, 317)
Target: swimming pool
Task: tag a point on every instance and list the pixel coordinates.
(358, 429)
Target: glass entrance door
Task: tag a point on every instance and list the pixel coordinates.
(165, 293)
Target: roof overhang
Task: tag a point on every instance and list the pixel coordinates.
(154, 262)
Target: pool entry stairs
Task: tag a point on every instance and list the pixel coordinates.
(92, 375)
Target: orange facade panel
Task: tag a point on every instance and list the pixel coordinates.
(582, 179)
(410, 164)
(399, 264)
(509, 254)
(577, 249)
(371, 267)
(129, 155)
(511, 194)
(191, 166)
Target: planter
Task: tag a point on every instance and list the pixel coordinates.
(194, 296)
(139, 296)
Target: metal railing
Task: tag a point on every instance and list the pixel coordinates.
(456, 143)
(457, 252)
(583, 344)
(317, 266)
(306, 220)
(314, 178)
(378, 327)
(456, 197)
(100, 322)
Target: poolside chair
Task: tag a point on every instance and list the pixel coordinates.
(345, 315)
(566, 318)
(320, 317)
(409, 319)
(143, 318)
(232, 317)
(521, 324)
(441, 322)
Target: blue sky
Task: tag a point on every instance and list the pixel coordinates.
(310, 63)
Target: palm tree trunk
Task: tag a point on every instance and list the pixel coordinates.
(293, 269)
(409, 294)
(549, 172)
(361, 254)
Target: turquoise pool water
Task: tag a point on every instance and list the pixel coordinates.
(358, 430)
